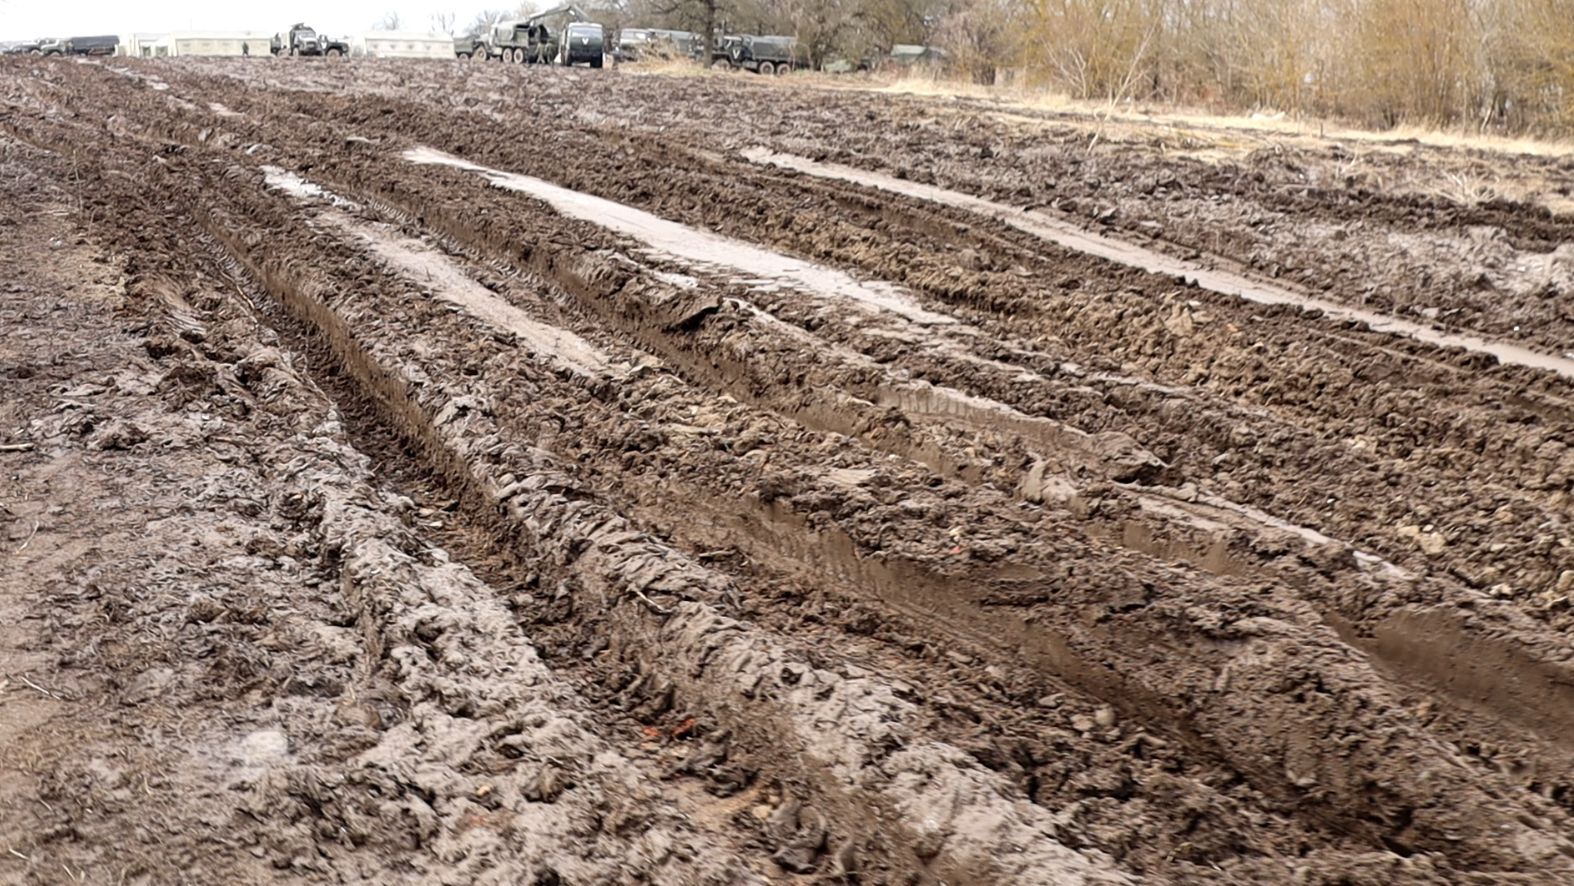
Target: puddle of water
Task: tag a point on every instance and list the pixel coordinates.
(449, 283)
(420, 261)
(1064, 233)
(294, 185)
(697, 247)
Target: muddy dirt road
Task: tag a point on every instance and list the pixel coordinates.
(445, 473)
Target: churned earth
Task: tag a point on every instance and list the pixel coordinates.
(461, 472)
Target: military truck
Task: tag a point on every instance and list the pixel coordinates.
(766, 55)
(101, 45)
(524, 40)
(519, 41)
(582, 42)
(29, 47)
(302, 40)
(721, 50)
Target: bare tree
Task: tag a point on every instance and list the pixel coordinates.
(443, 22)
(389, 22)
(484, 20)
(979, 37)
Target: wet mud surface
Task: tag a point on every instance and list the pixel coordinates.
(623, 508)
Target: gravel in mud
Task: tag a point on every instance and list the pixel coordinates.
(471, 473)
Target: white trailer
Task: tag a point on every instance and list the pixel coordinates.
(404, 44)
(198, 43)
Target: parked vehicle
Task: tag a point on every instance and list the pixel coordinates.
(722, 50)
(642, 44)
(523, 40)
(913, 54)
(520, 41)
(303, 40)
(102, 45)
(766, 55)
(30, 47)
(582, 42)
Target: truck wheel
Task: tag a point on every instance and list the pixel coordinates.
(767, 68)
(335, 52)
(294, 52)
(720, 65)
(781, 70)
(477, 56)
(596, 62)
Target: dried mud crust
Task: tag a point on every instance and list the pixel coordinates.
(873, 536)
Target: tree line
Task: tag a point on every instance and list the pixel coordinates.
(1488, 64)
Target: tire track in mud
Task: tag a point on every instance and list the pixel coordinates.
(1535, 454)
(718, 662)
(1401, 652)
(421, 732)
(1306, 214)
(857, 579)
(1508, 677)
(1223, 281)
(866, 579)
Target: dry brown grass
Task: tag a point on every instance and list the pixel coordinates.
(1045, 101)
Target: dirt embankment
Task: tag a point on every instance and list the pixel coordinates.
(873, 510)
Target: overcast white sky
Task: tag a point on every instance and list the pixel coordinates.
(26, 19)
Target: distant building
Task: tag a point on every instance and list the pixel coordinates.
(403, 44)
(179, 43)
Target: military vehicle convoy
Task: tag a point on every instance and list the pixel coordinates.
(302, 40)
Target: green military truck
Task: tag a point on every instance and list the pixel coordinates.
(302, 40)
(520, 40)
